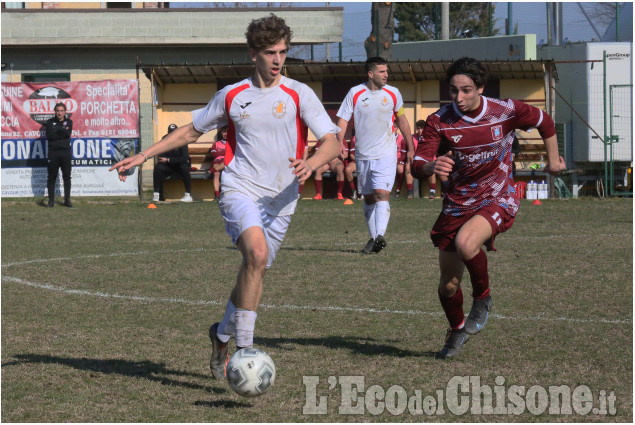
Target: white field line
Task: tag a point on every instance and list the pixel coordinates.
(289, 306)
(403, 242)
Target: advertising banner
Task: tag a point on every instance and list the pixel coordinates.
(105, 116)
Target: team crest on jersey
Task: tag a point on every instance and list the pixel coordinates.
(384, 100)
(279, 109)
(497, 132)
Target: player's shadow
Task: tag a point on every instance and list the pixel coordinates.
(145, 370)
(364, 346)
(312, 249)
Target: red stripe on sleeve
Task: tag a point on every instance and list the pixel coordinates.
(301, 128)
(231, 130)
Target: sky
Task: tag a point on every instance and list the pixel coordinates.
(531, 18)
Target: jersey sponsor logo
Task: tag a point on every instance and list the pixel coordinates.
(497, 132)
(456, 139)
(279, 109)
(478, 157)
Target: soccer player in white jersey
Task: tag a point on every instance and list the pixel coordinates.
(267, 117)
(375, 107)
(477, 133)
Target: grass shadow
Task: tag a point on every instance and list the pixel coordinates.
(147, 370)
(363, 346)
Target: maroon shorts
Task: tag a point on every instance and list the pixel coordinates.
(447, 226)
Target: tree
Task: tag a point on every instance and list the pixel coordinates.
(601, 13)
(422, 21)
(383, 25)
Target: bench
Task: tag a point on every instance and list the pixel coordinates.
(201, 189)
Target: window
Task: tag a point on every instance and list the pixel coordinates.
(43, 78)
(118, 5)
(12, 5)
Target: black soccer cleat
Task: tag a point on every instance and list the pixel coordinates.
(479, 313)
(454, 341)
(370, 247)
(380, 243)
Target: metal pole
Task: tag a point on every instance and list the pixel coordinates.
(617, 21)
(340, 50)
(510, 18)
(606, 141)
(549, 29)
(490, 22)
(445, 20)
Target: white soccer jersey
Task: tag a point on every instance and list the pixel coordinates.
(266, 126)
(374, 112)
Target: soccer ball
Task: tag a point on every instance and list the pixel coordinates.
(250, 372)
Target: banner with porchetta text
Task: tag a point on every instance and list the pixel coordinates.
(105, 116)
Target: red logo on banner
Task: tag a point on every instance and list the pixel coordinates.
(41, 103)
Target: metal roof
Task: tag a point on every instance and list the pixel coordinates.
(307, 71)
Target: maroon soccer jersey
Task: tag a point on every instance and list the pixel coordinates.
(481, 145)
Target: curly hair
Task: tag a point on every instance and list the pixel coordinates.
(267, 31)
(470, 67)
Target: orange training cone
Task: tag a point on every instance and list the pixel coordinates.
(152, 206)
(536, 202)
(348, 202)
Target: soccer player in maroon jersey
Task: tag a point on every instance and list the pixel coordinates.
(335, 166)
(478, 132)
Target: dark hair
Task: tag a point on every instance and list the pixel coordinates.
(59, 104)
(219, 132)
(371, 63)
(420, 124)
(267, 31)
(470, 67)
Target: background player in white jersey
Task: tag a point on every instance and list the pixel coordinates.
(375, 106)
(267, 117)
(480, 202)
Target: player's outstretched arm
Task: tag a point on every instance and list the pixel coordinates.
(555, 162)
(404, 127)
(179, 137)
(329, 150)
(342, 124)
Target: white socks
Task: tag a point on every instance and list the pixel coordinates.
(369, 215)
(382, 215)
(245, 325)
(237, 321)
(227, 326)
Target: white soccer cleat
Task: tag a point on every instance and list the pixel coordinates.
(155, 197)
(186, 198)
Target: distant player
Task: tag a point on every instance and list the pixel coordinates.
(432, 180)
(376, 107)
(480, 203)
(217, 152)
(267, 117)
(350, 167)
(335, 166)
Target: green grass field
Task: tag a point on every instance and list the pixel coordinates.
(106, 308)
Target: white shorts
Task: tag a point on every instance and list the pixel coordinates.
(376, 174)
(241, 213)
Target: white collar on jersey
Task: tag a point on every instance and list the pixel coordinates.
(470, 119)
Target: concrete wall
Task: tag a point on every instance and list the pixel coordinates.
(513, 47)
(160, 26)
